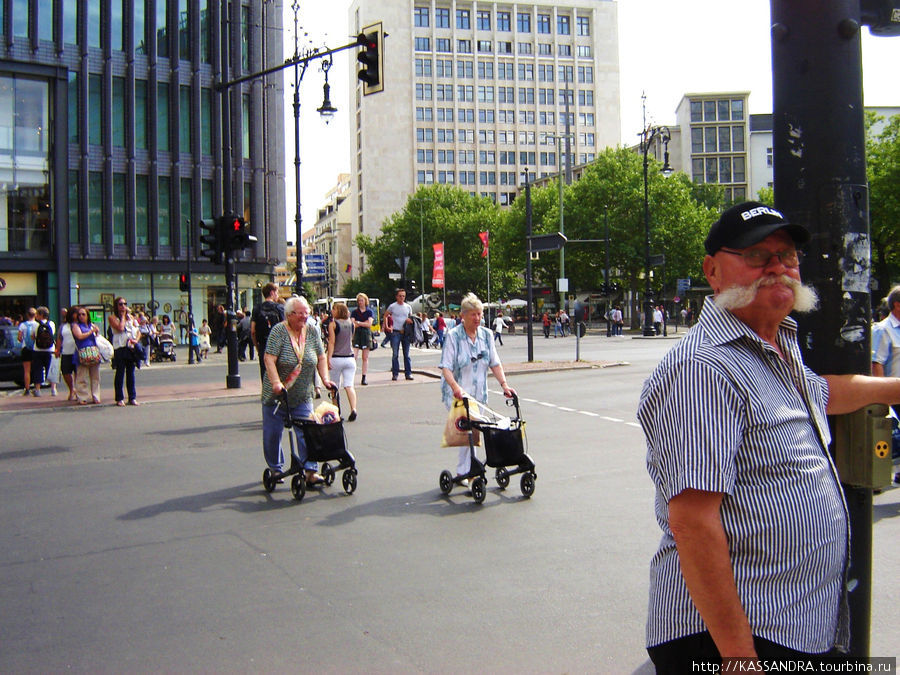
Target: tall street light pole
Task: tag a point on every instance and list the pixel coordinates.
(560, 139)
(648, 134)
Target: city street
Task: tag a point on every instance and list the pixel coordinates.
(141, 539)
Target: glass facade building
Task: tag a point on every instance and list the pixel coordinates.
(112, 149)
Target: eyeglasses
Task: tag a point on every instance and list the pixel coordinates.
(122, 303)
(760, 257)
(476, 358)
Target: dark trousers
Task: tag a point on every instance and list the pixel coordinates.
(399, 338)
(243, 343)
(124, 374)
(40, 364)
(677, 657)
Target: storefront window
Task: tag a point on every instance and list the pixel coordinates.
(24, 165)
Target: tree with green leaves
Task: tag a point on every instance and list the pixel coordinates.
(434, 214)
(883, 173)
(612, 189)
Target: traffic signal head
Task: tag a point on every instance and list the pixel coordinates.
(371, 56)
(212, 244)
(238, 235)
(184, 282)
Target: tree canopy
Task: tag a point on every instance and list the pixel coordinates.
(883, 173)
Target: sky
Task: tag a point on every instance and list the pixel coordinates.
(666, 49)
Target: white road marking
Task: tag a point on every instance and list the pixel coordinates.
(547, 404)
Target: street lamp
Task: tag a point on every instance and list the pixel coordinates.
(559, 138)
(648, 135)
(326, 110)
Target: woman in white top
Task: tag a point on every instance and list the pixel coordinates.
(124, 336)
(65, 349)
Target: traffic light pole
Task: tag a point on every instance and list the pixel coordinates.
(190, 226)
(820, 182)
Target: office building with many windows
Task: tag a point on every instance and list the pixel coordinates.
(111, 149)
(477, 92)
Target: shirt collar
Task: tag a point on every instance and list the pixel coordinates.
(723, 327)
(895, 322)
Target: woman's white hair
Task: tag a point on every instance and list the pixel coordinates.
(470, 302)
(290, 305)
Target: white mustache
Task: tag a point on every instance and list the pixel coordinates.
(737, 297)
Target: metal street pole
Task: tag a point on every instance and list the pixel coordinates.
(645, 148)
(190, 226)
(528, 283)
(606, 271)
(820, 182)
(298, 218)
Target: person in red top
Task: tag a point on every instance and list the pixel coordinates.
(440, 326)
(546, 320)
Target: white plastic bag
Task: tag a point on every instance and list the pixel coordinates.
(53, 370)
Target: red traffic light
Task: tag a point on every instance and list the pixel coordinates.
(237, 225)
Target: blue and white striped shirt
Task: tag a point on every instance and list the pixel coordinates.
(723, 412)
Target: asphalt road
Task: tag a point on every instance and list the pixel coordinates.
(140, 539)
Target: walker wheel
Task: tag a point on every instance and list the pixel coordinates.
(502, 477)
(527, 483)
(446, 482)
(478, 489)
(269, 480)
(327, 474)
(348, 478)
(298, 486)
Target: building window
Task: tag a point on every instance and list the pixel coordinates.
(162, 116)
(74, 121)
(165, 217)
(696, 111)
(738, 170)
(564, 50)
(93, 23)
(465, 93)
(586, 74)
(709, 111)
(504, 48)
(485, 70)
(545, 49)
(140, 114)
(205, 29)
(184, 31)
(769, 158)
(724, 139)
(583, 24)
(696, 139)
(95, 103)
(423, 92)
(162, 35)
(737, 139)
(74, 223)
(95, 207)
(463, 46)
(118, 209)
(562, 24)
(141, 210)
(526, 72)
(505, 70)
(525, 48)
(585, 97)
(484, 20)
(70, 22)
(423, 68)
(184, 120)
(206, 198)
(737, 109)
(423, 44)
(503, 22)
(116, 26)
(566, 74)
(118, 112)
(709, 139)
(463, 19)
(441, 18)
(485, 46)
(420, 17)
(442, 45)
(465, 69)
(584, 51)
(543, 24)
(523, 22)
(205, 121)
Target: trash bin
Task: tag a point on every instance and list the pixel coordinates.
(581, 328)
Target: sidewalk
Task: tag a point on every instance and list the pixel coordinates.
(13, 401)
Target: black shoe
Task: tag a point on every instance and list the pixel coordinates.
(394, 378)
(352, 416)
(363, 383)
(409, 377)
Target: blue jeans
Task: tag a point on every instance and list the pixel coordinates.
(273, 430)
(398, 338)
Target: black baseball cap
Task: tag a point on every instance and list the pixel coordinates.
(749, 223)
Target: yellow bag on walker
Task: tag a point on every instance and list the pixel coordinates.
(456, 430)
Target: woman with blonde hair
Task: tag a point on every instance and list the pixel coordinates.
(341, 363)
(362, 319)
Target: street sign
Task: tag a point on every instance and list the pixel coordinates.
(657, 260)
(402, 262)
(548, 242)
(394, 275)
(682, 286)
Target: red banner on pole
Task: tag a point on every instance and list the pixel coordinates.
(484, 242)
(437, 274)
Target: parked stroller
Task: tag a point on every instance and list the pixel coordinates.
(324, 443)
(163, 349)
(504, 444)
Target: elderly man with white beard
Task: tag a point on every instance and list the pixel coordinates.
(753, 556)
